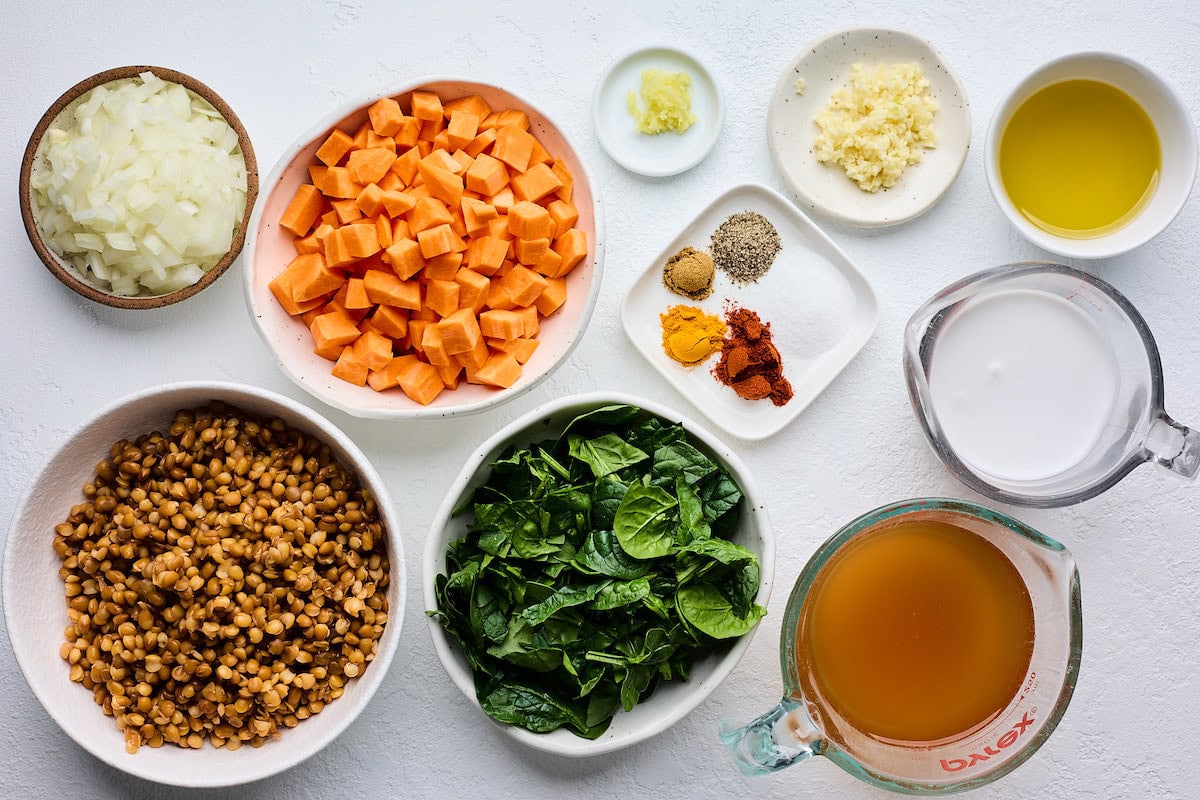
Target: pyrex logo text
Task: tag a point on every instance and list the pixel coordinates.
(1007, 740)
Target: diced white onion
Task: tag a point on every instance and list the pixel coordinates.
(140, 185)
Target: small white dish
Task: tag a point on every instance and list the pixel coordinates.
(35, 610)
(666, 153)
(672, 700)
(824, 188)
(1176, 137)
(820, 307)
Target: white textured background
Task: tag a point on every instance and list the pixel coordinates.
(1131, 730)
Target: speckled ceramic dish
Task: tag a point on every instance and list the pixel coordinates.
(824, 188)
(269, 249)
(64, 270)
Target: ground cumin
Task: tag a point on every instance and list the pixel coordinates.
(750, 364)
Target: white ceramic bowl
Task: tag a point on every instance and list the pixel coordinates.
(269, 249)
(824, 189)
(35, 609)
(1176, 134)
(671, 701)
(665, 153)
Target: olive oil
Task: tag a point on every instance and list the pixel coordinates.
(917, 632)
(1079, 158)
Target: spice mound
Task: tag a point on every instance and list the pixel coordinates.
(879, 125)
(750, 364)
(745, 246)
(224, 581)
(689, 273)
(689, 335)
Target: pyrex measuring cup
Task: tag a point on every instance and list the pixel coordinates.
(806, 724)
(1136, 429)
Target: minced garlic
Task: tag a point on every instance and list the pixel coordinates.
(877, 126)
(668, 102)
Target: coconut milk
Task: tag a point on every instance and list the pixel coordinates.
(1022, 383)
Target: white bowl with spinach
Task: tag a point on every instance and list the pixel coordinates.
(596, 570)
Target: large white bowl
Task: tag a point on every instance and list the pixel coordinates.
(269, 249)
(671, 701)
(36, 613)
(1176, 135)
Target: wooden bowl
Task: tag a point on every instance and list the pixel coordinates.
(63, 269)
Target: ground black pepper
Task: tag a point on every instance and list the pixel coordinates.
(745, 246)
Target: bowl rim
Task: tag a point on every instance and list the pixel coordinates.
(433, 560)
(322, 127)
(57, 265)
(602, 128)
(1033, 81)
(367, 474)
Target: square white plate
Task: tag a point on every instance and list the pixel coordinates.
(820, 307)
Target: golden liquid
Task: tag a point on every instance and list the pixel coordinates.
(1079, 158)
(916, 632)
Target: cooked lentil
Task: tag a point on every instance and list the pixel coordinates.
(223, 581)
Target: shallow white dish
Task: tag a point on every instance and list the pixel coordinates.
(671, 701)
(824, 188)
(820, 307)
(35, 608)
(666, 153)
(269, 248)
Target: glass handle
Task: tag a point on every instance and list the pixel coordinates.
(777, 739)
(1174, 446)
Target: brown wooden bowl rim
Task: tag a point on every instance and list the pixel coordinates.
(56, 264)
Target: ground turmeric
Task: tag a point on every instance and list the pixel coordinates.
(689, 335)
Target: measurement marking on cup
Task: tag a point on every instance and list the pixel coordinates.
(1005, 741)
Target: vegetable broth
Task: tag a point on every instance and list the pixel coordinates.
(1080, 158)
(916, 632)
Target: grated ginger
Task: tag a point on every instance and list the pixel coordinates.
(879, 125)
(668, 102)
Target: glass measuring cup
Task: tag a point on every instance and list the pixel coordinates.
(1137, 428)
(804, 724)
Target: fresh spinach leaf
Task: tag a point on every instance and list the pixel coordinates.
(565, 597)
(643, 524)
(606, 499)
(602, 554)
(691, 514)
(621, 593)
(711, 613)
(681, 460)
(604, 454)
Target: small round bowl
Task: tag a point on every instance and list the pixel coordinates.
(671, 701)
(824, 189)
(35, 608)
(64, 270)
(1176, 134)
(269, 249)
(666, 153)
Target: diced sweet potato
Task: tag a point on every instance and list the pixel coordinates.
(528, 220)
(529, 319)
(523, 285)
(486, 254)
(568, 181)
(473, 289)
(564, 214)
(371, 164)
(428, 212)
(302, 212)
(476, 215)
(487, 175)
(391, 321)
(347, 211)
(449, 375)
(339, 183)
(522, 349)
(535, 183)
(530, 252)
(481, 142)
(334, 328)
(372, 349)
(572, 246)
(421, 382)
(474, 358)
(349, 369)
(433, 347)
(438, 240)
(471, 104)
(501, 369)
(552, 297)
(442, 297)
(426, 106)
(386, 288)
(334, 147)
(370, 200)
(356, 295)
(500, 324)
(460, 331)
(443, 267)
(405, 258)
(513, 146)
(405, 166)
(385, 116)
(310, 278)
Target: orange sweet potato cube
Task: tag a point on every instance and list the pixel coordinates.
(374, 350)
(498, 296)
(449, 375)
(539, 155)
(474, 358)
(442, 297)
(307, 244)
(421, 382)
(428, 212)
(410, 130)
(340, 183)
(356, 295)
(523, 285)
(281, 286)
(383, 231)
(361, 240)
(390, 321)
(438, 240)
(433, 348)
(522, 349)
(472, 104)
(464, 161)
(405, 258)
(370, 200)
(426, 106)
(573, 248)
(347, 211)
(527, 220)
(564, 214)
(359, 139)
(431, 129)
(530, 252)
(486, 254)
(386, 288)
(317, 174)
(397, 203)
(481, 142)
(501, 324)
(385, 116)
(461, 129)
(302, 212)
(487, 175)
(310, 278)
(443, 267)
(460, 331)
(513, 117)
(535, 183)
(501, 369)
(529, 321)
(513, 146)
(476, 215)
(334, 328)
(443, 183)
(472, 289)
(416, 334)
(405, 166)
(334, 147)
(568, 181)
(384, 379)
(552, 297)
(371, 164)
(349, 369)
